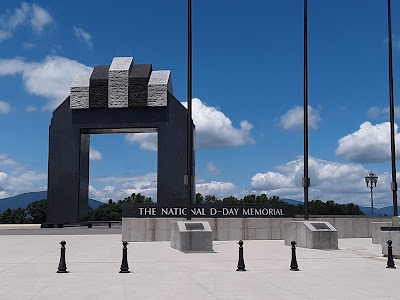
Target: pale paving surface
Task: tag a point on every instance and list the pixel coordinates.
(28, 265)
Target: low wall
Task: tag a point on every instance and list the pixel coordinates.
(376, 230)
(225, 229)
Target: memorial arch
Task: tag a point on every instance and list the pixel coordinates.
(119, 98)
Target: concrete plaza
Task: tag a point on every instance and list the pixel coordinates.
(29, 259)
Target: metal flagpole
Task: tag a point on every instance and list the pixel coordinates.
(189, 179)
(306, 180)
(391, 109)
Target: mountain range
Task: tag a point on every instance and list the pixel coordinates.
(23, 200)
(387, 210)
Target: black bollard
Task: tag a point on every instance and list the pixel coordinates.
(241, 266)
(293, 264)
(390, 261)
(62, 266)
(124, 264)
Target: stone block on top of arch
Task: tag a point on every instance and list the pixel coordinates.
(138, 85)
(118, 82)
(98, 89)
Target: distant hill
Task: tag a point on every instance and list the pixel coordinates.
(291, 201)
(23, 200)
(387, 210)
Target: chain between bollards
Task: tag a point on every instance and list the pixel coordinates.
(124, 264)
(62, 266)
(241, 266)
(293, 264)
(390, 261)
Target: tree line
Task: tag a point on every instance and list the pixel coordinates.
(112, 211)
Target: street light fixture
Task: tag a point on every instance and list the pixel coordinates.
(371, 181)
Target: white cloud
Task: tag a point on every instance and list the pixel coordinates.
(343, 183)
(16, 19)
(94, 154)
(215, 188)
(4, 35)
(213, 129)
(33, 15)
(50, 78)
(147, 141)
(5, 160)
(294, 118)
(370, 143)
(40, 18)
(212, 169)
(118, 188)
(4, 107)
(375, 112)
(16, 178)
(31, 108)
(271, 181)
(83, 36)
(12, 66)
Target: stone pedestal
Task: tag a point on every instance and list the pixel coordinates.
(376, 231)
(191, 236)
(395, 221)
(311, 234)
(391, 233)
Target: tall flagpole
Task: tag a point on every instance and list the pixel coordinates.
(189, 178)
(306, 180)
(391, 109)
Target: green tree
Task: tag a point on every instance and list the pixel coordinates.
(318, 207)
(199, 198)
(14, 216)
(91, 214)
(211, 199)
(230, 200)
(249, 199)
(353, 209)
(37, 211)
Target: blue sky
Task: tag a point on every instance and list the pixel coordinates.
(247, 85)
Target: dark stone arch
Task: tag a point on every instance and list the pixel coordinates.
(69, 143)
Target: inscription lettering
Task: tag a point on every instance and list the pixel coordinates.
(207, 211)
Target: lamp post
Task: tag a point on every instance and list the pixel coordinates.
(371, 181)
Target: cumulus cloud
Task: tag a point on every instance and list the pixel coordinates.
(50, 78)
(33, 15)
(94, 154)
(343, 183)
(16, 178)
(118, 188)
(83, 36)
(271, 181)
(212, 169)
(294, 118)
(216, 188)
(147, 141)
(4, 107)
(370, 143)
(213, 129)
